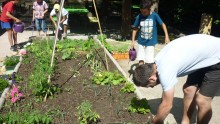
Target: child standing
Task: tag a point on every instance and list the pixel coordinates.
(7, 21)
(147, 37)
(40, 8)
(63, 20)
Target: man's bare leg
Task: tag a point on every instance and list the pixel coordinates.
(204, 109)
(189, 103)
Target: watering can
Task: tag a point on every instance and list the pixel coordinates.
(18, 27)
(132, 54)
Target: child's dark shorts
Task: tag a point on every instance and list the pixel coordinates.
(207, 79)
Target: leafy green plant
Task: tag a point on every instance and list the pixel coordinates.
(11, 61)
(89, 45)
(85, 114)
(128, 88)
(106, 78)
(32, 117)
(41, 52)
(67, 53)
(67, 48)
(3, 84)
(139, 106)
(104, 37)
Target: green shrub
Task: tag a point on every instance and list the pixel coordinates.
(11, 61)
(26, 117)
(3, 84)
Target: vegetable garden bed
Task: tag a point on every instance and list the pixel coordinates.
(81, 89)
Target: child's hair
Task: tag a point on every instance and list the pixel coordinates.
(145, 4)
(142, 74)
(5, 2)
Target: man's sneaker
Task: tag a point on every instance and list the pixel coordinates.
(17, 46)
(13, 48)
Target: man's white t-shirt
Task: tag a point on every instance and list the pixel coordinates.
(64, 13)
(185, 55)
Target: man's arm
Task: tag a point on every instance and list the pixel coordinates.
(167, 40)
(165, 107)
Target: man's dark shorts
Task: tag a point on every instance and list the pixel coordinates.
(208, 79)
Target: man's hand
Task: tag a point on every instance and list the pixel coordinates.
(165, 106)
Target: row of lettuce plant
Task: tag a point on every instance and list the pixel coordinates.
(38, 80)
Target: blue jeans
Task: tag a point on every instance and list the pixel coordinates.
(41, 24)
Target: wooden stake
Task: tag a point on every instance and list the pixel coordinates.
(97, 16)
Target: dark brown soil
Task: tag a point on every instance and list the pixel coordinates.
(107, 101)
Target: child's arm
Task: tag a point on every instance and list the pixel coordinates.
(8, 14)
(134, 33)
(54, 23)
(63, 19)
(45, 11)
(167, 39)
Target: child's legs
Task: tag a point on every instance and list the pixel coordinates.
(43, 25)
(14, 37)
(149, 54)
(65, 26)
(10, 33)
(37, 24)
(141, 54)
(65, 29)
(8, 26)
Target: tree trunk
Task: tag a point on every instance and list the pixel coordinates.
(126, 18)
(155, 6)
(205, 24)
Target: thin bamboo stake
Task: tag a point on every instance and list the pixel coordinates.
(97, 16)
(55, 41)
(56, 35)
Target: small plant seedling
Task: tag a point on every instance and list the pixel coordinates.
(128, 88)
(85, 114)
(139, 106)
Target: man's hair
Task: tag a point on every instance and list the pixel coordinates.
(145, 4)
(142, 74)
